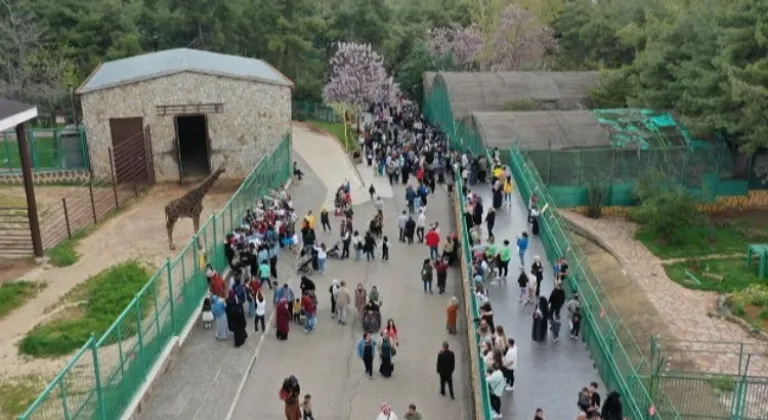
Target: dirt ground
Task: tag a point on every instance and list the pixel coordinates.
(138, 232)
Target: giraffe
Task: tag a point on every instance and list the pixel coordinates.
(189, 205)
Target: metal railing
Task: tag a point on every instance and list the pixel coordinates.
(303, 111)
(474, 313)
(614, 351)
(105, 374)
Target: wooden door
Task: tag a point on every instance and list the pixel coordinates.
(129, 149)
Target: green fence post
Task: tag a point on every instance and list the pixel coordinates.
(97, 372)
(7, 150)
(63, 390)
(32, 148)
(170, 292)
(213, 241)
(139, 333)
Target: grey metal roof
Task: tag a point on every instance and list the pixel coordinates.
(540, 130)
(491, 91)
(164, 63)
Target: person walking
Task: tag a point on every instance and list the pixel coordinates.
(496, 385)
(510, 364)
(342, 303)
(325, 220)
(366, 348)
(446, 364)
(426, 275)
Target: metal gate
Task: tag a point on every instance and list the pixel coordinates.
(131, 150)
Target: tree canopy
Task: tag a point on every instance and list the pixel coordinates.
(706, 60)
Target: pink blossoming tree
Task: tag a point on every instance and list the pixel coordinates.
(358, 78)
(461, 44)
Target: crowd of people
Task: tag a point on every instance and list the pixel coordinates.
(491, 259)
(399, 145)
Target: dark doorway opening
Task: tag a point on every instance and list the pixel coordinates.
(192, 137)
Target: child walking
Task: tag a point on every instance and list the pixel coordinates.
(555, 327)
(207, 315)
(306, 407)
(297, 311)
(385, 249)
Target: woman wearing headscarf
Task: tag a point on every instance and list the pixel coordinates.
(386, 352)
(219, 309)
(361, 297)
(282, 319)
(238, 324)
(386, 412)
(540, 317)
(612, 409)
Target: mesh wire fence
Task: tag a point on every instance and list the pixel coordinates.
(617, 356)
(303, 111)
(687, 165)
(50, 149)
(105, 374)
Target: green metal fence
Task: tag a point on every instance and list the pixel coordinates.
(50, 149)
(105, 374)
(616, 355)
(735, 387)
(303, 111)
(466, 253)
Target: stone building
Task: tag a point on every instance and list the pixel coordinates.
(176, 115)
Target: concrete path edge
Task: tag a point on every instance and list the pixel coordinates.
(474, 370)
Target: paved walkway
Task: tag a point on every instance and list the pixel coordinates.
(205, 380)
(549, 375)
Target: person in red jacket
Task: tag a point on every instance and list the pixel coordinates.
(441, 267)
(432, 239)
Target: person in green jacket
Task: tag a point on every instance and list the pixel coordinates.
(505, 255)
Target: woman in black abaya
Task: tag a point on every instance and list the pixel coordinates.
(239, 325)
(540, 317)
(498, 197)
(477, 215)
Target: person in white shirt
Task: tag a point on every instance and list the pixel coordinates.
(421, 224)
(510, 364)
(322, 258)
(496, 385)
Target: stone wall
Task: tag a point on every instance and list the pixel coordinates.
(755, 200)
(255, 117)
(48, 177)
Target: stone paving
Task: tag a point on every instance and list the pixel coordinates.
(550, 374)
(684, 310)
(205, 380)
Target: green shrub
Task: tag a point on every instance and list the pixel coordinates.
(666, 212)
(15, 294)
(105, 296)
(64, 254)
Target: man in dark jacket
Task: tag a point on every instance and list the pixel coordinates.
(446, 364)
(556, 300)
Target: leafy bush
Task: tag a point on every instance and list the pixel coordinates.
(665, 211)
(598, 195)
(105, 294)
(64, 254)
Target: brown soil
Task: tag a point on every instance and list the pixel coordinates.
(138, 232)
(643, 321)
(14, 268)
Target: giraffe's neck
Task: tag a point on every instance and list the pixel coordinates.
(202, 189)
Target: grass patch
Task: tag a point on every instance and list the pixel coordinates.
(17, 394)
(726, 275)
(337, 130)
(716, 236)
(15, 294)
(102, 297)
(751, 304)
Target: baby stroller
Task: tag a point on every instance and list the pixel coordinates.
(306, 258)
(371, 321)
(335, 251)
